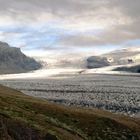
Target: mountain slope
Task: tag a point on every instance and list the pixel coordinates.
(12, 60)
(129, 68)
(97, 62)
(123, 56)
(24, 117)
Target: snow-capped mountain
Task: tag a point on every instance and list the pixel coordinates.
(62, 61)
(124, 56)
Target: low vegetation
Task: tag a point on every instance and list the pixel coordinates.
(27, 118)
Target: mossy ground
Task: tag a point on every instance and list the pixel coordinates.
(23, 117)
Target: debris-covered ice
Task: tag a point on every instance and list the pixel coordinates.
(114, 92)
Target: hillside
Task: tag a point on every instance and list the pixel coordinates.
(27, 118)
(97, 62)
(129, 68)
(123, 56)
(12, 60)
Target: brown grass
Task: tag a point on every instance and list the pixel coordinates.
(39, 119)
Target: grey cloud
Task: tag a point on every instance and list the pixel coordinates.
(114, 36)
(129, 7)
(24, 10)
(58, 8)
(69, 7)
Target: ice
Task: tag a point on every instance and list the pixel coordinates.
(119, 93)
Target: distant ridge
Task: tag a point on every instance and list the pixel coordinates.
(129, 68)
(12, 60)
(121, 56)
(97, 62)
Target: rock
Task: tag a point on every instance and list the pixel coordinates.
(97, 62)
(12, 60)
(134, 69)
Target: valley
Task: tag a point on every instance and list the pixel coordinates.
(118, 93)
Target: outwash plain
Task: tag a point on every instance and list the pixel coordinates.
(117, 93)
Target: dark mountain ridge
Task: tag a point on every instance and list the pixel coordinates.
(12, 60)
(97, 62)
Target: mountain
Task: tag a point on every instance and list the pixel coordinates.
(63, 60)
(28, 118)
(129, 68)
(97, 62)
(12, 60)
(124, 56)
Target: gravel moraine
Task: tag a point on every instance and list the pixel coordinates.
(116, 93)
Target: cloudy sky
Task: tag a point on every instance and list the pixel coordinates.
(70, 25)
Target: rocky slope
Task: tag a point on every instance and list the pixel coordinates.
(97, 62)
(129, 68)
(124, 56)
(130, 55)
(12, 60)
